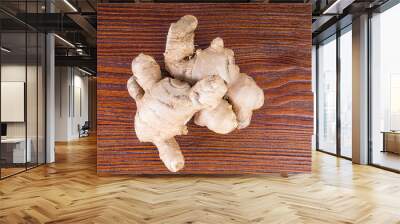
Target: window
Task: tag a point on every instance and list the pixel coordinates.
(22, 77)
(385, 89)
(346, 92)
(327, 95)
(334, 106)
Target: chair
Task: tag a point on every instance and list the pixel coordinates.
(84, 130)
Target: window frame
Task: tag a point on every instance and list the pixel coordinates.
(31, 30)
(338, 34)
(380, 9)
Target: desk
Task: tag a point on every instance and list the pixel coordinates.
(18, 149)
(391, 141)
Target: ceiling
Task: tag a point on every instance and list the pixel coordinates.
(76, 21)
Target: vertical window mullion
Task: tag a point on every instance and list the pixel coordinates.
(338, 73)
(37, 90)
(317, 97)
(26, 87)
(369, 91)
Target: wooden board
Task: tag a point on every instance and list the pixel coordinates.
(272, 43)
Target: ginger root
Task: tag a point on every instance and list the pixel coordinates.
(206, 85)
(182, 63)
(164, 106)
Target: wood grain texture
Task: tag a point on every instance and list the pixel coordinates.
(272, 43)
(70, 192)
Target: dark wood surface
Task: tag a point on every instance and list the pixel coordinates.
(272, 43)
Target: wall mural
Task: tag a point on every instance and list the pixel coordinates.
(182, 82)
(219, 97)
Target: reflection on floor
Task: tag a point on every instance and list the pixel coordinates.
(70, 191)
(11, 169)
(387, 159)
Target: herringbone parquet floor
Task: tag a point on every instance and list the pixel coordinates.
(70, 192)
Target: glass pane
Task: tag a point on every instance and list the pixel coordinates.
(13, 88)
(22, 88)
(346, 93)
(327, 96)
(31, 100)
(41, 98)
(385, 84)
(31, 86)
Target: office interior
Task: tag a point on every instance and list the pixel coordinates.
(48, 96)
(30, 56)
(334, 74)
(32, 51)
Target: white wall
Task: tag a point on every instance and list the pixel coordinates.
(71, 102)
(13, 72)
(80, 111)
(13, 101)
(62, 81)
(33, 126)
(9, 73)
(16, 73)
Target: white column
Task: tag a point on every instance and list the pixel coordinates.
(360, 90)
(50, 99)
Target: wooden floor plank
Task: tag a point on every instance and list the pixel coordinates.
(69, 191)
